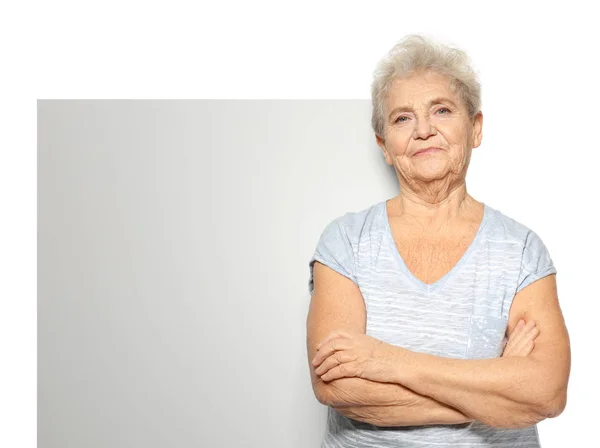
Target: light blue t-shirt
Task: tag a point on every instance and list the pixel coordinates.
(462, 315)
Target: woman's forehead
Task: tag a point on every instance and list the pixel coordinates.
(420, 91)
(419, 87)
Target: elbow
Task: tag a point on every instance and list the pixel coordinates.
(325, 394)
(532, 412)
(554, 407)
(334, 393)
(323, 398)
(528, 415)
(514, 420)
(551, 390)
(321, 393)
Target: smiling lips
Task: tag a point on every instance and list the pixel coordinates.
(427, 151)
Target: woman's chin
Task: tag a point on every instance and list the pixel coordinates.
(431, 171)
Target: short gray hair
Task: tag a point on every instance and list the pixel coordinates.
(415, 53)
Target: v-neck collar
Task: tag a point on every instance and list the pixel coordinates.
(439, 283)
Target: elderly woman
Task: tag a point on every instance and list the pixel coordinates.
(434, 318)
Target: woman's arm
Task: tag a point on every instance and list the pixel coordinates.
(417, 409)
(508, 392)
(420, 410)
(337, 303)
(387, 404)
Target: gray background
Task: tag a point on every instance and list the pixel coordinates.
(173, 247)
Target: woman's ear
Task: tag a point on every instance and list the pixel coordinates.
(381, 144)
(477, 126)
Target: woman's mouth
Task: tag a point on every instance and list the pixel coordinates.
(427, 151)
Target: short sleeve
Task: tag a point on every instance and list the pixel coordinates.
(536, 261)
(335, 251)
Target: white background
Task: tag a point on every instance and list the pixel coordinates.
(537, 163)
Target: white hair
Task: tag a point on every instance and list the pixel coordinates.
(414, 54)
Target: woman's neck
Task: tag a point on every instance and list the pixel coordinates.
(434, 211)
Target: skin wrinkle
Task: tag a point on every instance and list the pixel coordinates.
(435, 217)
(438, 218)
(429, 181)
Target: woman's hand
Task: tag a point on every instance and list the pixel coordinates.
(521, 340)
(344, 355)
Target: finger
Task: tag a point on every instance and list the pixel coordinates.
(532, 334)
(519, 333)
(529, 347)
(332, 335)
(513, 338)
(529, 332)
(508, 348)
(516, 339)
(517, 327)
(329, 348)
(525, 350)
(345, 370)
(525, 340)
(333, 361)
(534, 326)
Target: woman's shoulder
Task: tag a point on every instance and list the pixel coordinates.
(507, 228)
(356, 224)
(353, 220)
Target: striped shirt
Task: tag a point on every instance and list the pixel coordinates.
(463, 315)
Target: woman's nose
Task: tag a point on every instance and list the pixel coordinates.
(424, 129)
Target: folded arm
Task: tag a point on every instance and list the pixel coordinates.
(413, 410)
(508, 392)
(387, 404)
(502, 392)
(335, 304)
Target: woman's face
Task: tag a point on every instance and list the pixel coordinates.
(421, 112)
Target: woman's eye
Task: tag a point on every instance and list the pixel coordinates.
(444, 108)
(400, 119)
